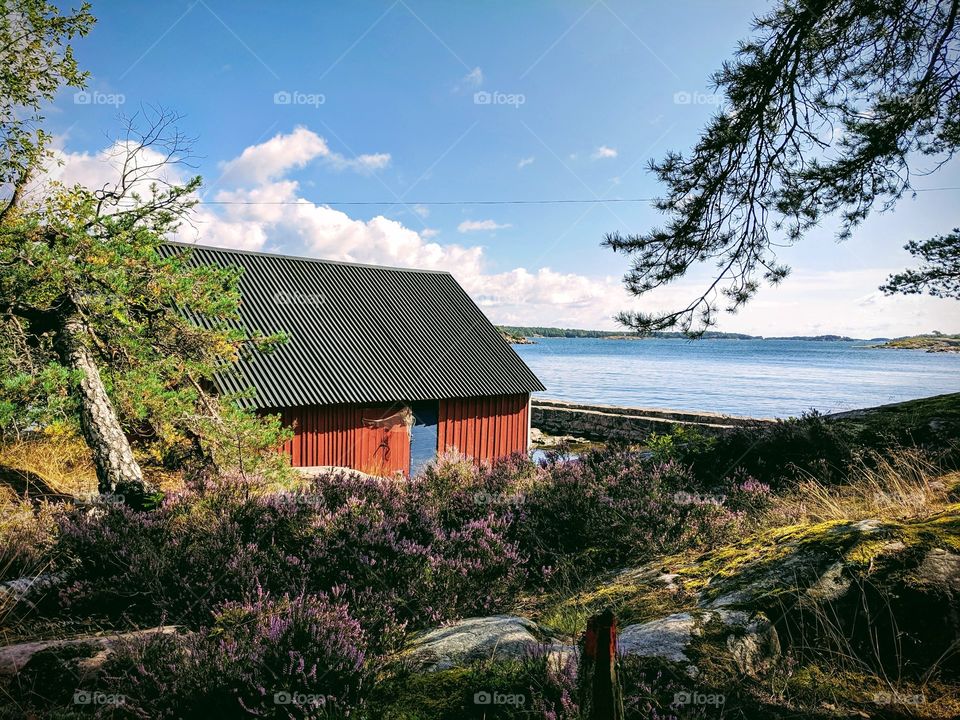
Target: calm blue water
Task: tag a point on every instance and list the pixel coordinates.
(757, 378)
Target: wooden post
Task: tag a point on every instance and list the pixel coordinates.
(600, 648)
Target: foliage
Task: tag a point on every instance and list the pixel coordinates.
(613, 508)
(37, 60)
(681, 442)
(296, 656)
(940, 273)
(541, 688)
(27, 535)
(97, 254)
(824, 448)
(81, 275)
(827, 107)
(266, 584)
(456, 541)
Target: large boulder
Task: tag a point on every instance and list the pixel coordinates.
(497, 637)
(751, 642)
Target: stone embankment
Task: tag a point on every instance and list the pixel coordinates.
(609, 422)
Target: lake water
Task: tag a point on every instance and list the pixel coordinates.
(756, 378)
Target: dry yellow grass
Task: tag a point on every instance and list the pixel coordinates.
(63, 460)
(897, 484)
(58, 456)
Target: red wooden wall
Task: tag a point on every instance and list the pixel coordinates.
(373, 440)
(484, 428)
(376, 439)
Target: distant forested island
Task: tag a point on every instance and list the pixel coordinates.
(934, 342)
(518, 334)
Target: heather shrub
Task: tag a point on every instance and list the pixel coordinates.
(378, 543)
(299, 645)
(778, 454)
(27, 534)
(284, 657)
(115, 561)
(613, 507)
(385, 540)
(180, 560)
(747, 494)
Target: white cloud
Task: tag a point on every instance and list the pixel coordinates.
(604, 152)
(845, 302)
(361, 163)
(525, 161)
(280, 154)
(275, 157)
(103, 168)
(472, 79)
(421, 210)
(480, 225)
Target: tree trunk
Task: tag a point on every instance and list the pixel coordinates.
(117, 469)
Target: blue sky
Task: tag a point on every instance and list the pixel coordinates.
(318, 103)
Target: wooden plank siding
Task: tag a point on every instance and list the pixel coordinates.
(484, 428)
(375, 439)
(372, 439)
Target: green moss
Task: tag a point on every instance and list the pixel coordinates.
(634, 597)
(814, 685)
(407, 695)
(941, 530)
(427, 695)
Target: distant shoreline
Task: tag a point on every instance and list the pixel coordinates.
(523, 335)
(932, 343)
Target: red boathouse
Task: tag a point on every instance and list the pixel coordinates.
(383, 367)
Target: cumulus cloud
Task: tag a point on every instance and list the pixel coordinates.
(280, 154)
(604, 152)
(103, 169)
(524, 162)
(275, 216)
(468, 226)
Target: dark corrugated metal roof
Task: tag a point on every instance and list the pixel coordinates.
(361, 333)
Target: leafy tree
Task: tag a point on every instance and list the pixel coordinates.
(104, 323)
(828, 108)
(36, 60)
(939, 275)
(97, 325)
